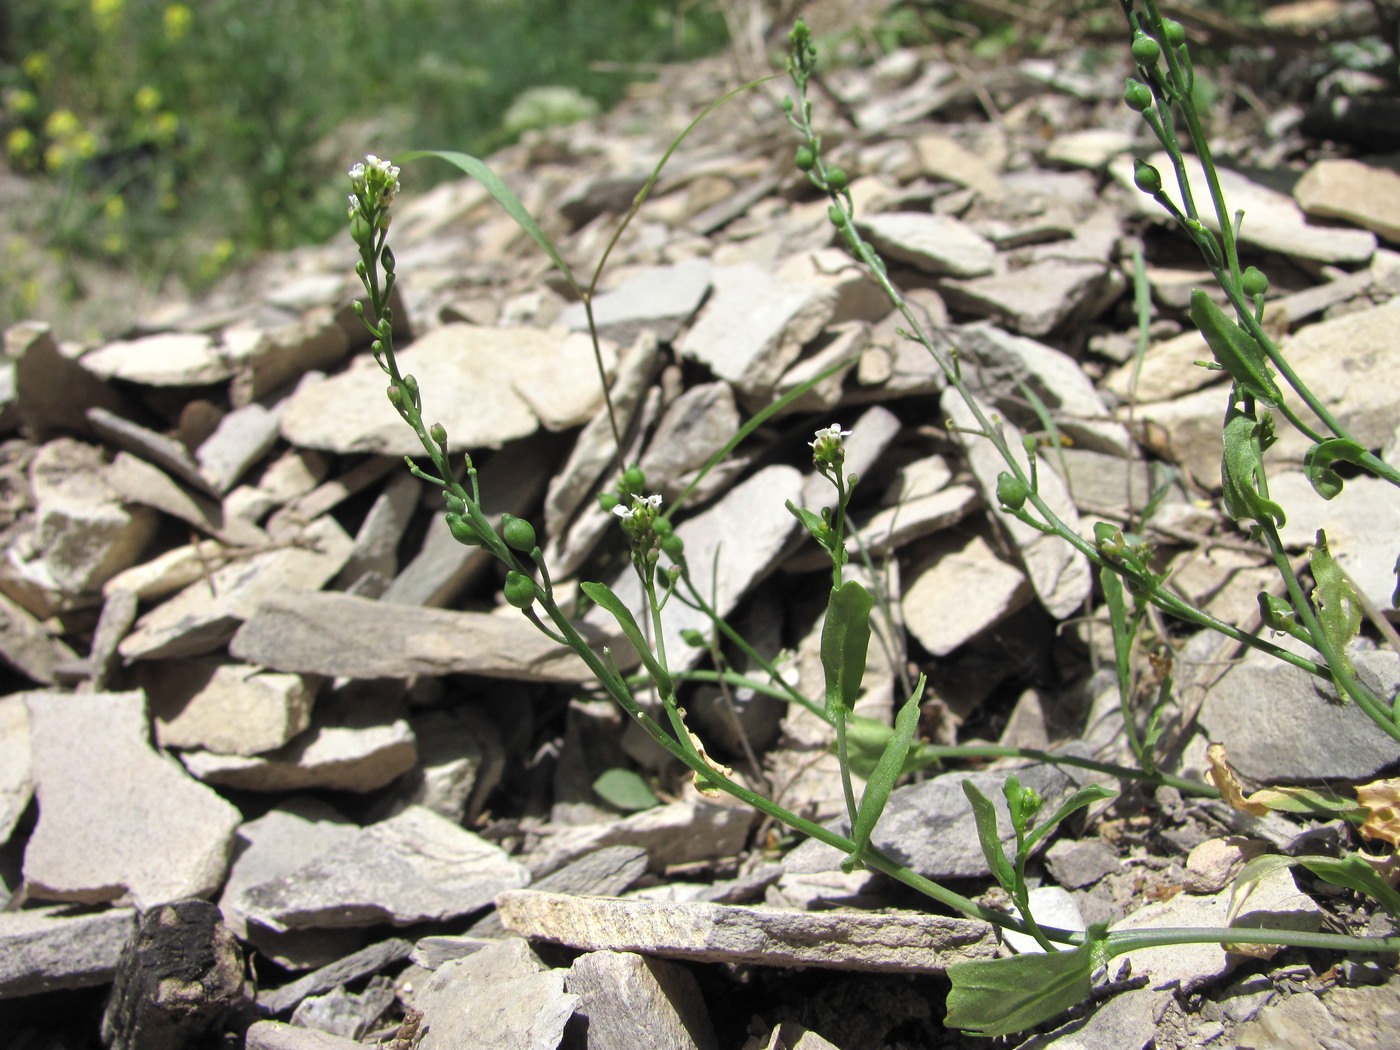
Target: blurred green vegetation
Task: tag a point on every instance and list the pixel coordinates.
(179, 138)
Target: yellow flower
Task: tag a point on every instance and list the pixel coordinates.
(114, 207)
(35, 65)
(62, 124)
(85, 145)
(164, 126)
(56, 157)
(147, 99)
(177, 19)
(107, 13)
(19, 143)
(112, 244)
(20, 102)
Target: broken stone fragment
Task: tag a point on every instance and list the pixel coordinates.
(44, 949)
(660, 298)
(987, 591)
(232, 709)
(1362, 194)
(117, 820)
(53, 391)
(902, 942)
(936, 244)
(630, 1001)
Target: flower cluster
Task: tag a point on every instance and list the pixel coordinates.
(637, 519)
(829, 447)
(374, 184)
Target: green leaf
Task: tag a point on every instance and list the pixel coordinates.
(812, 522)
(1241, 467)
(1355, 873)
(1085, 796)
(985, 815)
(992, 997)
(602, 595)
(883, 777)
(1338, 607)
(1235, 350)
(504, 196)
(845, 641)
(1318, 460)
(1112, 586)
(624, 789)
(1319, 801)
(866, 740)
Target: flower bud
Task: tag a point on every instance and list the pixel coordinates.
(455, 504)
(438, 433)
(395, 395)
(463, 531)
(519, 590)
(633, 481)
(386, 259)
(518, 533)
(1253, 282)
(837, 217)
(788, 104)
(1146, 51)
(673, 545)
(694, 638)
(1011, 491)
(1175, 32)
(607, 501)
(805, 160)
(1147, 178)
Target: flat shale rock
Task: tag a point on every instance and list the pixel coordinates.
(1038, 298)
(117, 820)
(273, 1035)
(1353, 191)
(413, 867)
(341, 634)
(662, 298)
(632, 1001)
(936, 244)
(988, 590)
(229, 708)
(1362, 524)
(26, 646)
(487, 386)
(43, 949)
(900, 942)
(500, 998)
(197, 621)
(167, 359)
(16, 780)
(675, 834)
(53, 392)
(368, 960)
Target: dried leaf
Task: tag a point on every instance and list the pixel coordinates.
(1225, 781)
(1381, 800)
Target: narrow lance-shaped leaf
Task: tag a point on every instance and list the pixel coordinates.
(1338, 608)
(985, 814)
(1003, 996)
(1318, 460)
(866, 741)
(845, 641)
(1085, 796)
(1240, 468)
(882, 779)
(1235, 350)
(504, 196)
(603, 596)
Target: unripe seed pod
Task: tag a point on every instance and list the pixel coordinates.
(662, 526)
(805, 160)
(607, 501)
(438, 433)
(462, 530)
(693, 638)
(518, 533)
(673, 545)
(837, 217)
(519, 589)
(455, 504)
(1011, 491)
(1146, 51)
(1137, 95)
(1175, 32)
(787, 104)
(633, 480)
(1253, 282)
(837, 179)
(1146, 177)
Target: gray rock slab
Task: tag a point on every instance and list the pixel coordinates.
(206, 614)
(166, 359)
(371, 959)
(1077, 863)
(137, 481)
(691, 429)
(1059, 573)
(341, 634)
(1362, 194)
(83, 533)
(890, 529)
(1271, 219)
(374, 561)
(754, 326)
(486, 386)
(273, 1035)
(44, 949)
(902, 942)
(117, 820)
(1127, 1021)
(359, 756)
(167, 453)
(936, 244)
(1274, 902)
(605, 872)
(996, 364)
(242, 438)
(16, 778)
(675, 834)
(27, 646)
(345, 1013)
(53, 392)
(268, 359)
(662, 298)
(988, 590)
(413, 867)
(230, 708)
(1186, 431)
(1039, 298)
(748, 529)
(1090, 148)
(930, 826)
(460, 761)
(1362, 525)
(633, 1001)
(1281, 725)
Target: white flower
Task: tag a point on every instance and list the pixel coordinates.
(833, 433)
(828, 448)
(641, 505)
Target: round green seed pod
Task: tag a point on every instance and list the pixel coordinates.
(1175, 32)
(455, 505)
(662, 526)
(607, 501)
(694, 638)
(462, 530)
(1011, 491)
(1146, 177)
(519, 589)
(787, 104)
(805, 160)
(1253, 282)
(1146, 51)
(518, 533)
(837, 179)
(633, 480)
(837, 217)
(673, 545)
(1137, 95)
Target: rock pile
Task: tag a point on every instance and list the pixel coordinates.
(250, 666)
